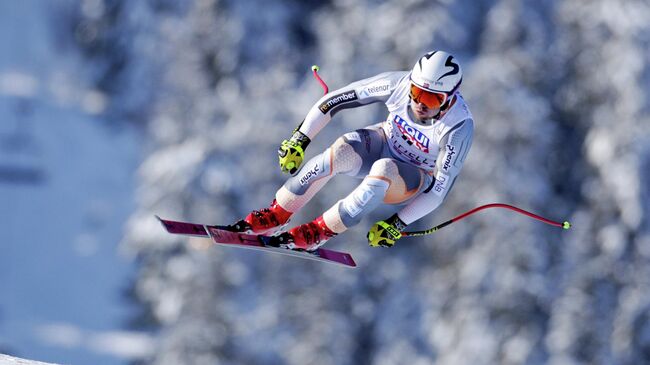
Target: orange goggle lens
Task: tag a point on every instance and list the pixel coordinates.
(431, 99)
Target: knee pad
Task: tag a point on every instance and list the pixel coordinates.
(404, 180)
(344, 159)
(348, 211)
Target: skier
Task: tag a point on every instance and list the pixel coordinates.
(412, 158)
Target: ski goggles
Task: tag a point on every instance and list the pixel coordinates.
(432, 99)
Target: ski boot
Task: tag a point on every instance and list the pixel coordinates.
(306, 237)
(267, 221)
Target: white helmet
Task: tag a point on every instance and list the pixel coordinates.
(437, 71)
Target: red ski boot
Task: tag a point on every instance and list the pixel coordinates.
(307, 236)
(263, 222)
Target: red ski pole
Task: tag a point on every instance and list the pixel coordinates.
(565, 225)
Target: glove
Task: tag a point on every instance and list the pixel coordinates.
(292, 152)
(385, 233)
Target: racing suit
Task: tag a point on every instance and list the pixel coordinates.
(401, 160)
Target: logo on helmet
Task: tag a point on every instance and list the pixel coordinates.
(454, 67)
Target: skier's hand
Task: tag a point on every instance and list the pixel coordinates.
(385, 233)
(292, 152)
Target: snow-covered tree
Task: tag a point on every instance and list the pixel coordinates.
(559, 91)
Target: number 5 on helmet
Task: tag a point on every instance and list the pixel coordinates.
(292, 152)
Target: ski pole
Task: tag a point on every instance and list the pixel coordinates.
(315, 70)
(565, 225)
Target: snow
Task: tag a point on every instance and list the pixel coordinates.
(10, 360)
(494, 289)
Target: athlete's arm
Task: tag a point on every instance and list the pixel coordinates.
(363, 92)
(453, 151)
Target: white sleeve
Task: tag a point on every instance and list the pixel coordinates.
(448, 165)
(363, 92)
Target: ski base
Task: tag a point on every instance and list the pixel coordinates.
(224, 237)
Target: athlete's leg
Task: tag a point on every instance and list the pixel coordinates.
(385, 180)
(348, 155)
(345, 156)
(389, 181)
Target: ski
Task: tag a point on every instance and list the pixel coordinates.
(223, 237)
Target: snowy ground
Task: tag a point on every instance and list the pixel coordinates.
(8, 360)
(66, 188)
